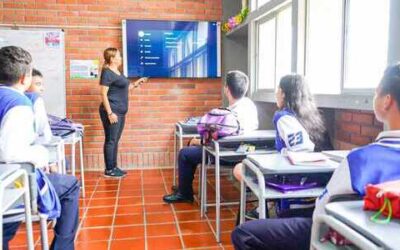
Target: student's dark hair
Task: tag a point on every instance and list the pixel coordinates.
(237, 83)
(36, 72)
(15, 62)
(298, 98)
(390, 83)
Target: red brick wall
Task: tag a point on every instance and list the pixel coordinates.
(355, 128)
(93, 25)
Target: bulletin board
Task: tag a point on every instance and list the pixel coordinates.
(48, 52)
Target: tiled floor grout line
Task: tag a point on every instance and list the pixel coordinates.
(174, 213)
(148, 180)
(114, 215)
(208, 219)
(86, 211)
(144, 210)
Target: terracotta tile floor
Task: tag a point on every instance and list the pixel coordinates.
(130, 214)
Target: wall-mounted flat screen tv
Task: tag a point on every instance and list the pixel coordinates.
(171, 49)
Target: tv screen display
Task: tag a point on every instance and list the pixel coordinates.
(171, 49)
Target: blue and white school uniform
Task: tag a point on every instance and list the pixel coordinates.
(290, 134)
(42, 126)
(17, 138)
(17, 134)
(375, 163)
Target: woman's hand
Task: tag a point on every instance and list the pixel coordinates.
(139, 82)
(113, 118)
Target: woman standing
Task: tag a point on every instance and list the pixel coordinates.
(113, 108)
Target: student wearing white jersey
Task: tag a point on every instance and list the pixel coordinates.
(299, 127)
(298, 123)
(34, 93)
(236, 86)
(17, 144)
(372, 164)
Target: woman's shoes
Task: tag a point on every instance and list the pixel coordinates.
(120, 170)
(114, 173)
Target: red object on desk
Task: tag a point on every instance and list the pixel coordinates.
(375, 196)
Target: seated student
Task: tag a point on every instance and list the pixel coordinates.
(235, 89)
(42, 126)
(298, 123)
(17, 137)
(299, 127)
(372, 164)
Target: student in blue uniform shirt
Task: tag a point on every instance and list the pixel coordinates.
(34, 93)
(17, 137)
(299, 127)
(298, 123)
(372, 164)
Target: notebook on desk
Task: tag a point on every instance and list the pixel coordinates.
(189, 126)
(307, 158)
(336, 155)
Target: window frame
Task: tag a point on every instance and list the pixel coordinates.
(266, 18)
(348, 98)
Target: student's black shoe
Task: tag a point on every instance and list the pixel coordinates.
(177, 198)
(174, 189)
(120, 170)
(113, 173)
(252, 214)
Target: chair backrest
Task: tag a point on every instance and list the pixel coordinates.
(30, 169)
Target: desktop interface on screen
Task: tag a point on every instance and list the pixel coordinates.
(173, 49)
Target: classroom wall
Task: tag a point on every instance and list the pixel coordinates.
(355, 128)
(93, 25)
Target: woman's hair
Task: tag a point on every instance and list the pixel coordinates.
(108, 54)
(298, 98)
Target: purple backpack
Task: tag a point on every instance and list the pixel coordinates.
(217, 123)
(63, 126)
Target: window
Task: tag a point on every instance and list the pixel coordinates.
(274, 49)
(341, 46)
(266, 55)
(283, 44)
(351, 59)
(262, 2)
(323, 46)
(366, 43)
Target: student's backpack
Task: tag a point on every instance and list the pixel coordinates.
(63, 127)
(217, 123)
(47, 199)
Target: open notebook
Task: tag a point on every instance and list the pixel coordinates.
(307, 158)
(336, 155)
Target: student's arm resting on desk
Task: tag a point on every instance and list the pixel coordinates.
(339, 184)
(16, 137)
(42, 122)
